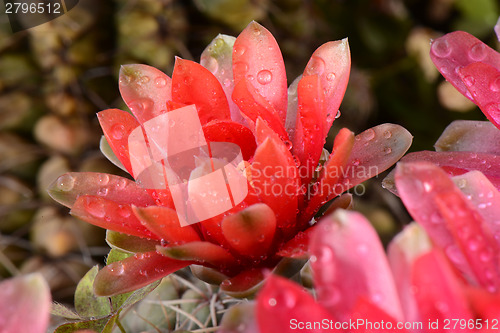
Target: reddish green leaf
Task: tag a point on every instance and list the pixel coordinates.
(145, 89)
(68, 187)
(110, 215)
(257, 58)
(130, 244)
(135, 272)
(470, 135)
(250, 231)
(199, 252)
(194, 84)
(245, 284)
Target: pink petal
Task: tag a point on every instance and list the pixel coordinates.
(483, 83)
(408, 245)
(68, 187)
(331, 63)
(25, 303)
(438, 205)
(470, 135)
(349, 262)
(438, 292)
(257, 58)
(134, 272)
(218, 59)
(484, 196)
(282, 305)
(459, 49)
(194, 84)
(110, 215)
(145, 89)
(457, 163)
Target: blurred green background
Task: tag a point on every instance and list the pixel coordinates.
(55, 77)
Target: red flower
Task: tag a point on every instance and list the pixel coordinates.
(240, 93)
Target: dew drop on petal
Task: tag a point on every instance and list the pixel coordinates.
(227, 83)
(103, 179)
(469, 81)
(330, 76)
(124, 211)
(495, 84)
(387, 150)
(387, 134)
(66, 182)
(241, 67)
(337, 115)
(317, 66)
(139, 255)
(454, 254)
(264, 76)
(477, 52)
(369, 134)
(117, 268)
(103, 191)
(239, 50)
(96, 208)
(441, 48)
(272, 302)
(117, 131)
(356, 162)
(486, 255)
(160, 82)
(326, 254)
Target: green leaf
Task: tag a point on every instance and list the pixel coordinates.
(116, 255)
(103, 325)
(87, 304)
(62, 311)
(123, 301)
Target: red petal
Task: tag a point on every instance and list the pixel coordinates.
(228, 131)
(245, 284)
(164, 223)
(134, 272)
(328, 186)
(309, 135)
(250, 231)
(253, 105)
(194, 84)
(117, 126)
(483, 83)
(331, 63)
(109, 215)
(275, 179)
(367, 315)
(68, 187)
(349, 263)
(145, 89)
(437, 290)
(459, 49)
(257, 57)
(485, 304)
(282, 305)
(200, 252)
(297, 247)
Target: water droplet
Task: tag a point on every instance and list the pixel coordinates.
(441, 47)
(117, 131)
(427, 186)
(313, 258)
(469, 81)
(139, 255)
(316, 66)
(337, 115)
(495, 84)
(387, 150)
(241, 67)
(330, 76)
(66, 182)
(369, 134)
(264, 76)
(96, 208)
(103, 179)
(160, 82)
(124, 211)
(117, 268)
(121, 183)
(227, 83)
(103, 191)
(239, 50)
(272, 302)
(486, 255)
(356, 162)
(478, 52)
(125, 79)
(326, 254)
(288, 144)
(453, 252)
(474, 244)
(387, 134)
(143, 272)
(141, 105)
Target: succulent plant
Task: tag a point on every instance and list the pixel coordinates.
(239, 93)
